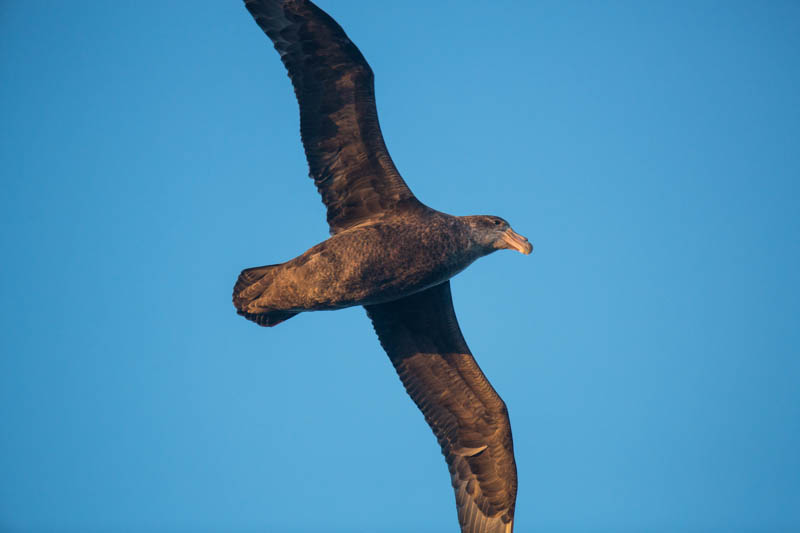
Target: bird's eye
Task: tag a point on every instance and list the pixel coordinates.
(496, 222)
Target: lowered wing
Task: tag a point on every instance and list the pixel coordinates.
(422, 338)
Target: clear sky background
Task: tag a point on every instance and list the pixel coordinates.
(647, 350)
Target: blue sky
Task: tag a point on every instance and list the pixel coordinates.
(647, 350)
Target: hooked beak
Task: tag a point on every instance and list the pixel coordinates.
(517, 242)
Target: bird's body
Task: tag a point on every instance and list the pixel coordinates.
(390, 253)
(374, 262)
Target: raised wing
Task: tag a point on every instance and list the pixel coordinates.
(421, 335)
(347, 157)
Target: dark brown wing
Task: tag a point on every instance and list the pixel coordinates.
(347, 157)
(421, 335)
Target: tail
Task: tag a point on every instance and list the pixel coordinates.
(249, 287)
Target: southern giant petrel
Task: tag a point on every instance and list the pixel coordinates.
(390, 253)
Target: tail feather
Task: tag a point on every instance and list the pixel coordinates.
(268, 319)
(249, 287)
(251, 284)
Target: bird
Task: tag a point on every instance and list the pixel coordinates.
(391, 254)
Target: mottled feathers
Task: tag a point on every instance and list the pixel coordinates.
(359, 185)
(421, 335)
(346, 155)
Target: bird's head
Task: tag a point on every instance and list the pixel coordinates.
(494, 233)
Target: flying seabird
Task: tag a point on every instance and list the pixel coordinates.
(391, 254)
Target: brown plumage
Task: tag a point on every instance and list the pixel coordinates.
(421, 335)
(391, 254)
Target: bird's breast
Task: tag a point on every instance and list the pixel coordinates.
(378, 263)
